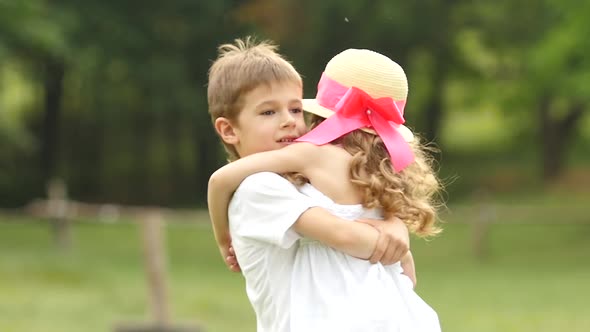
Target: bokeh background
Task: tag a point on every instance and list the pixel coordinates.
(103, 113)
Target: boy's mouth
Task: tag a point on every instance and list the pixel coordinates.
(287, 140)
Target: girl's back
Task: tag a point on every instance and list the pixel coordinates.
(330, 174)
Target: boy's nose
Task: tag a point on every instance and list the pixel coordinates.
(288, 119)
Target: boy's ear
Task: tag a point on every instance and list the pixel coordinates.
(226, 131)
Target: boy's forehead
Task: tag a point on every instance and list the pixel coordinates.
(275, 92)
(281, 85)
(269, 100)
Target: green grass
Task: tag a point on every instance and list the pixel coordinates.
(533, 278)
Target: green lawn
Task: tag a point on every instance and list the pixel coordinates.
(536, 277)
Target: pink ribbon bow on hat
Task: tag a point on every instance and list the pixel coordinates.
(355, 109)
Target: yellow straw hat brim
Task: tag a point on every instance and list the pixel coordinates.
(312, 106)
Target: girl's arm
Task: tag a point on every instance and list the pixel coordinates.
(409, 267)
(394, 240)
(350, 237)
(297, 157)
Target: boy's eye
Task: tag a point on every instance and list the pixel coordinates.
(269, 112)
(296, 110)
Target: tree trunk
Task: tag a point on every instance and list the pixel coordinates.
(143, 131)
(100, 189)
(443, 56)
(434, 112)
(176, 186)
(555, 136)
(208, 161)
(53, 87)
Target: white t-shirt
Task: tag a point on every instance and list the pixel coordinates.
(261, 213)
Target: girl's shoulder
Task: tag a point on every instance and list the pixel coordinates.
(321, 151)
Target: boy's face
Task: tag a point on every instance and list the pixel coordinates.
(271, 118)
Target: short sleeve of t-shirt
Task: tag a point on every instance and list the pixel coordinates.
(265, 206)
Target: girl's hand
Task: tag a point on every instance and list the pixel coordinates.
(393, 242)
(409, 267)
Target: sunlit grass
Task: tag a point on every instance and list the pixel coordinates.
(470, 131)
(532, 277)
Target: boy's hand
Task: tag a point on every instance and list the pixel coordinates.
(393, 242)
(227, 252)
(223, 240)
(232, 261)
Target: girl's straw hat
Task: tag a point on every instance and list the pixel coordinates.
(374, 73)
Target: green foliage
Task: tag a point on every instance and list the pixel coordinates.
(34, 28)
(522, 60)
(132, 123)
(133, 96)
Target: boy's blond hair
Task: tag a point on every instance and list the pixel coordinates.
(240, 68)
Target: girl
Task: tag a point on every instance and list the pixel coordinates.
(360, 162)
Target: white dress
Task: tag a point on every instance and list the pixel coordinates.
(332, 291)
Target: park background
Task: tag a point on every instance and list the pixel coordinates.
(106, 100)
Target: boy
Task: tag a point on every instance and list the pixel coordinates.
(254, 100)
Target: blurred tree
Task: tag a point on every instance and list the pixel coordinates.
(415, 34)
(17, 144)
(150, 62)
(118, 88)
(125, 88)
(34, 33)
(540, 67)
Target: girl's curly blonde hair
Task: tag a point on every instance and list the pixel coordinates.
(411, 195)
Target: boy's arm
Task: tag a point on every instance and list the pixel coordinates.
(293, 158)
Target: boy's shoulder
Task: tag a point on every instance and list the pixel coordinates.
(265, 184)
(262, 179)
